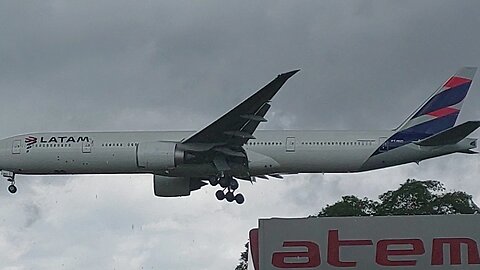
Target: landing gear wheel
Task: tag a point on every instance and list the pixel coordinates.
(224, 182)
(220, 195)
(213, 180)
(229, 196)
(239, 198)
(233, 184)
(12, 189)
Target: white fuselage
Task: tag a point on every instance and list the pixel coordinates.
(271, 152)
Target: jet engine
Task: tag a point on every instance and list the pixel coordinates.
(164, 186)
(158, 156)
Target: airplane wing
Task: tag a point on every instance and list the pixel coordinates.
(220, 143)
(237, 126)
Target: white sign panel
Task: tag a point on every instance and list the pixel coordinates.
(396, 242)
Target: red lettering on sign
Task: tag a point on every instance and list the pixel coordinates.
(312, 256)
(383, 252)
(254, 249)
(334, 244)
(455, 251)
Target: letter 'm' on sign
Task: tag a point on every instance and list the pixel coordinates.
(383, 251)
(334, 244)
(305, 259)
(455, 250)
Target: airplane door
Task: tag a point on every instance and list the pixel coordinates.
(16, 146)
(290, 144)
(86, 147)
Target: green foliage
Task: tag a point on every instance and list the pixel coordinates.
(412, 198)
(350, 206)
(243, 264)
(457, 202)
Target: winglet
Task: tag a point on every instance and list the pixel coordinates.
(289, 74)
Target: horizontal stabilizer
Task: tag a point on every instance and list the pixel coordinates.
(452, 135)
(469, 152)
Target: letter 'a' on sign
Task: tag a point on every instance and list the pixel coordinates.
(297, 259)
(334, 245)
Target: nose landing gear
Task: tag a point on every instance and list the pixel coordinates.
(10, 177)
(12, 188)
(229, 185)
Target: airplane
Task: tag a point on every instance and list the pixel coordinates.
(231, 148)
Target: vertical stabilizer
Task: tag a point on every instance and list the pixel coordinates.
(437, 114)
(441, 110)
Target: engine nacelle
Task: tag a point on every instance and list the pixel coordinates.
(158, 156)
(164, 186)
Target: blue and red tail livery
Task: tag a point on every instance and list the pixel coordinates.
(438, 113)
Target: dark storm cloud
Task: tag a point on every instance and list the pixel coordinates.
(188, 56)
(160, 65)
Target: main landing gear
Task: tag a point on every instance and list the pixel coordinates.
(10, 177)
(229, 185)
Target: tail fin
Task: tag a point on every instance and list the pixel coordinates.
(441, 110)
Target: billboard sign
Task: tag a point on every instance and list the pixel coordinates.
(395, 242)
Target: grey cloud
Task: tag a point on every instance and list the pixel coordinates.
(32, 214)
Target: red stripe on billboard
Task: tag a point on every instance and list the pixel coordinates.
(254, 251)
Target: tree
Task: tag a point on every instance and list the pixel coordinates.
(350, 206)
(243, 264)
(412, 198)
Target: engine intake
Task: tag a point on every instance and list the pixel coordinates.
(158, 156)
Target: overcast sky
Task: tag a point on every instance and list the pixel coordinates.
(178, 65)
